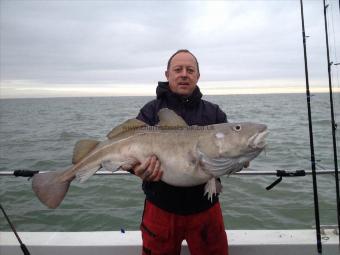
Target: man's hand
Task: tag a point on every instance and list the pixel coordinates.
(149, 170)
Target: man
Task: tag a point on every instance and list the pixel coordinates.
(173, 214)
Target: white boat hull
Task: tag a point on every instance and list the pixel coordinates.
(241, 242)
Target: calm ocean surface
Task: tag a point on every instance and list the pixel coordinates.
(39, 134)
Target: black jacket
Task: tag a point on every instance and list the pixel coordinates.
(195, 111)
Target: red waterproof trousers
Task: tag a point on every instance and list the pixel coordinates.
(163, 232)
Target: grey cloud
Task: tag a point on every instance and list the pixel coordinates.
(110, 41)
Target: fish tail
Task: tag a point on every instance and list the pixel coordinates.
(50, 188)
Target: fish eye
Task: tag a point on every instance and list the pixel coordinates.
(237, 128)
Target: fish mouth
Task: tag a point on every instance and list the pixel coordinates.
(258, 141)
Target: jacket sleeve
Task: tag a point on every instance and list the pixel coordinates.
(221, 117)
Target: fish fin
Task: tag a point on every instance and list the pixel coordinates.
(126, 128)
(110, 165)
(220, 166)
(49, 188)
(83, 175)
(82, 148)
(236, 169)
(210, 188)
(168, 118)
(219, 186)
(127, 164)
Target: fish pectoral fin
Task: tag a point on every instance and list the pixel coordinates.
(82, 148)
(110, 165)
(220, 166)
(236, 169)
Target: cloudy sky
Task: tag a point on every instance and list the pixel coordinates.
(104, 48)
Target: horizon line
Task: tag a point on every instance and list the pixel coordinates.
(206, 94)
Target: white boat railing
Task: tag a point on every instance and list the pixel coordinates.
(248, 172)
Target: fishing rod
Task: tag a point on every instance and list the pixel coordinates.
(22, 245)
(333, 123)
(310, 125)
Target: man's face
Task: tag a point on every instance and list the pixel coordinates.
(182, 74)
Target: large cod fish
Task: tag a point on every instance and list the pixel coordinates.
(189, 155)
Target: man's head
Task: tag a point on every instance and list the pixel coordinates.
(182, 72)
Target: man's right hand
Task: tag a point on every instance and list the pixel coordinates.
(150, 170)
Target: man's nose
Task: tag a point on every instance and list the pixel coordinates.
(184, 73)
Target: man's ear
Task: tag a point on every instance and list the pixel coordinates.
(166, 74)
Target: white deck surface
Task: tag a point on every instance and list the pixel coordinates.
(241, 242)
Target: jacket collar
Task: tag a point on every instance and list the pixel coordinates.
(163, 91)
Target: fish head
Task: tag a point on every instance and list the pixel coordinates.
(240, 139)
(229, 146)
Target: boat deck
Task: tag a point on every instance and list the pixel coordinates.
(241, 242)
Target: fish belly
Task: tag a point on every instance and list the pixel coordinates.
(177, 156)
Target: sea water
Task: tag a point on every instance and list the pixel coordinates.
(39, 134)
